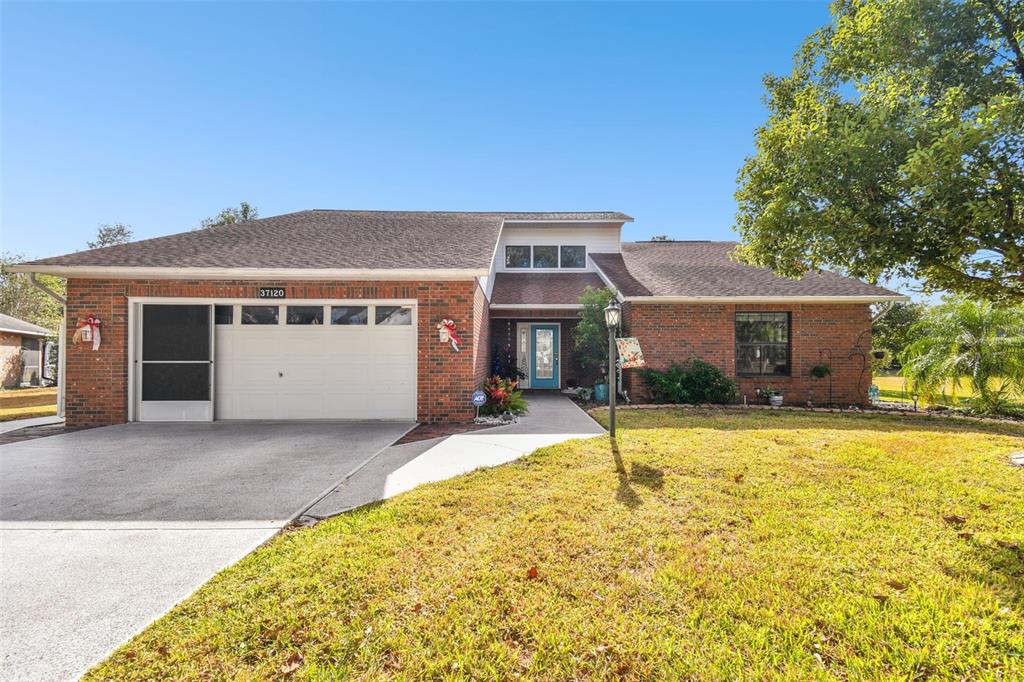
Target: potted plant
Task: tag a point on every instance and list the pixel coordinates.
(769, 394)
(821, 371)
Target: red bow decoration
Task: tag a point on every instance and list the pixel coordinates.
(452, 336)
(88, 330)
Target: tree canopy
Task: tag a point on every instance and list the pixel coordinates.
(896, 148)
(110, 235)
(231, 215)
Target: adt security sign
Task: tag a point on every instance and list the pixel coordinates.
(479, 398)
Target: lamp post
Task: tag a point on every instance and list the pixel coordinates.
(612, 315)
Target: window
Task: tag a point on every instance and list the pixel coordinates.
(259, 314)
(223, 314)
(762, 344)
(574, 257)
(348, 314)
(392, 315)
(305, 314)
(517, 256)
(545, 256)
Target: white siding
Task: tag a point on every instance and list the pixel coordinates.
(596, 237)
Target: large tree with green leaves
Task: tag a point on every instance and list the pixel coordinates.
(968, 344)
(111, 234)
(231, 215)
(896, 147)
(20, 299)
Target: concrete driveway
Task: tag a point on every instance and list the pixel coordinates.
(102, 531)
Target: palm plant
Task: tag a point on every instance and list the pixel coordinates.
(968, 340)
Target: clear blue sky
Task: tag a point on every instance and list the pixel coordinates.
(159, 115)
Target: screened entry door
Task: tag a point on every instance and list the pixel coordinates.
(174, 363)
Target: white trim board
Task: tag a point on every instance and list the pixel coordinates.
(119, 272)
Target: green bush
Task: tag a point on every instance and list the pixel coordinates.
(693, 382)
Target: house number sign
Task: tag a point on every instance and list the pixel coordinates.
(272, 292)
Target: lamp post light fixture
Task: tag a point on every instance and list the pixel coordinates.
(612, 317)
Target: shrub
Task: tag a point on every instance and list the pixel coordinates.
(693, 382)
(590, 338)
(503, 395)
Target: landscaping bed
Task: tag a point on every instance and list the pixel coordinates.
(709, 544)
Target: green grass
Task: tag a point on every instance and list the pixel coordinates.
(894, 388)
(22, 403)
(710, 545)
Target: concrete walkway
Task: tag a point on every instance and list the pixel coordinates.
(552, 418)
(17, 424)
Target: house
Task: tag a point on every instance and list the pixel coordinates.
(22, 352)
(327, 314)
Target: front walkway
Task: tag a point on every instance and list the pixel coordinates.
(552, 419)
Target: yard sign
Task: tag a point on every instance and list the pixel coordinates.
(630, 354)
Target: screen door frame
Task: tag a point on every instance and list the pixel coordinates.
(167, 410)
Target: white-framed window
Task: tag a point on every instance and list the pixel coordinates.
(572, 257)
(517, 256)
(545, 256)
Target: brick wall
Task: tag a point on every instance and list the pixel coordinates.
(835, 334)
(97, 382)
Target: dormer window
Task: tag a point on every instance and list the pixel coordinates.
(545, 257)
(574, 257)
(517, 256)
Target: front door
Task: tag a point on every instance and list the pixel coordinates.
(544, 356)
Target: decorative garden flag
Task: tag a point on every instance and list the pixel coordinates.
(630, 353)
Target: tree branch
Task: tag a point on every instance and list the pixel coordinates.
(1009, 35)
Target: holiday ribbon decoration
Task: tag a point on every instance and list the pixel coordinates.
(446, 331)
(88, 330)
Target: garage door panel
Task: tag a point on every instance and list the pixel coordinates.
(315, 372)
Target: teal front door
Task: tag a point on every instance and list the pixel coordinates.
(544, 353)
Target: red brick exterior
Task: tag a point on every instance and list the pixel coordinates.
(97, 381)
(10, 360)
(835, 334)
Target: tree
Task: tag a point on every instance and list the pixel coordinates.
(230, 216)
(896, 148)
(895, 330)
(20, 299)
(964, 340)
(111, 235)
(590, 338)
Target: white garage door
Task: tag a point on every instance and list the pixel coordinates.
(315, 361)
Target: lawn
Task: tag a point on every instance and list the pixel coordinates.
(895, 388)
(21, 403)
(707, 545)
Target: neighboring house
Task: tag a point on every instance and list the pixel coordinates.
(337, 314)
(22, 352)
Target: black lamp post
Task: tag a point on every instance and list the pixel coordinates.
(612, 316)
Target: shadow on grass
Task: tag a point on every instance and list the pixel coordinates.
(757, 420)
(625, 494)
(1005, 560)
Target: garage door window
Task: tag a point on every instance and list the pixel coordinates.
(392, 315)
(223, 314)
(305, 314)
(349, 314)
(259, 314)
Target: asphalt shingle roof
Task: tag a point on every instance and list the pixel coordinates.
(706, 269)
(542, 288)
(13, 324)
(327, 239)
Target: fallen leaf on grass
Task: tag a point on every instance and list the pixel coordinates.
(965, 535)
(532, 573)
(1007, 545)
(880, 598)
(954, 519)
(984, 507)
(897, 585)
(292, 663)
(738, 478)
(417, 607)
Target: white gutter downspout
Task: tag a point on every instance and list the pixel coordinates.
(884, 310)
(61, 354)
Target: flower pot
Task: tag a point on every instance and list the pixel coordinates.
(601, 393)
(775, 400)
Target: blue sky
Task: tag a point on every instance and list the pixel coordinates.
(159, 115)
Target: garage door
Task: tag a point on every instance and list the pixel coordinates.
(315, 361)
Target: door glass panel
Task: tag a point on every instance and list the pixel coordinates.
(175, 332)
(175, 381)
(305, 314)
(259, 314)
(544, 363)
